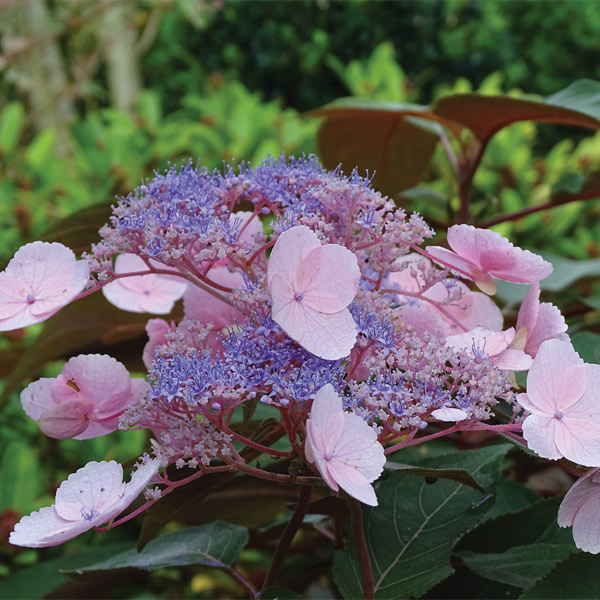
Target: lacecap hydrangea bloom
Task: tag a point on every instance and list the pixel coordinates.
(306, 290)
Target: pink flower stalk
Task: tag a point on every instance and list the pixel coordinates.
(310, 287)
(563, 399)
(95, 494)
(543, 321)
(579, 509)
(85, 400)
(501, 346)
(152, 293)
(38, 281)
(343, 447)
(482, 255)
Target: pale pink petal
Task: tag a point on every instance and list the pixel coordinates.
(543, 321)
(200, 305)
(494, 254)
(37, 398)
(250, 224)
(525, 402)
(575, 497)
(457, 263)
(474, 309)
(328, 336)
(343, 447)
(586, 526)
(39, 280)
(449, 414)
(140, 479)
(102, 379)
(512, 360)
(90, 491)
(288, 311)
(422, 318)
(540, 432)
(157, 330)
(67, 419)
(150, 293)
(328, 278)
(409, 279)
(528, 312)
(587, 406)
(326, 419)
(45, 528)
(481, 341)
(358, 447)
(546, 372)
(579, 440)
(352, 482)
(290, 250)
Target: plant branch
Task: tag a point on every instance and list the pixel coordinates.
(529, 210)
(288, 536)
(362, 552)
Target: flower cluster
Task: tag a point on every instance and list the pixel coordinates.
(312, 293)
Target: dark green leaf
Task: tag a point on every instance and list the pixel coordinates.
(587, 345)
(411, 533)
(535, 524)
(577, 577)
(458, 475)
(568, 271)
(384, 138)
(510, 497)
(521, 566)
(215, 545)
(22, 478)
(41, 579)
(485, 115)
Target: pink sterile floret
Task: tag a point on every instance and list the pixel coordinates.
(343, 447)
(94, 495)
(310, 287)
(542, 321)
(563, 397)
(39, 280)
(152, 293)
(500, 346)
(481, 255)
(580, 509)
(448, 413)
(85, 400)
(472, 309)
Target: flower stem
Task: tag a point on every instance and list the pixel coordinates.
(362, 552)
(288, 536)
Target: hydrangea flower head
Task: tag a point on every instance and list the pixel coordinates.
(39, 280)
(482, 255)
(311, 286)
(563, 397)
(343, 447)
(85, 400)
(95, 494)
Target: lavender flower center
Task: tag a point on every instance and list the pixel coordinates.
(30, 299)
